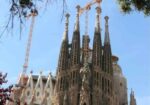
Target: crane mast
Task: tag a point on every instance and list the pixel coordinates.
(27, 54)
(23, 78)
(86, 22)
(86, 8)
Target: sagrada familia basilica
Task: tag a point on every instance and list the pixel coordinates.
(84, 75)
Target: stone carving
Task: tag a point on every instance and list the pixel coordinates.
(85, 74)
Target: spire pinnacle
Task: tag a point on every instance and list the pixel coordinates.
(77, 18)
(97, 24)
(132, 98)
(65, 36)
(107, 39)
(132, 92)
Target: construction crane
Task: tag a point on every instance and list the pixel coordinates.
(88, 5)
(86, 8)
(23, 77)
(25, 66)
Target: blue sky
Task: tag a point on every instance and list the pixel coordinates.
(130, 35)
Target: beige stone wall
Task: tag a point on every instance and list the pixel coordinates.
(120, 85)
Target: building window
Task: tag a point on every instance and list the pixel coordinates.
(108, 87)
(97, 79)
(102, 83)
(120, 84)
(61, 82)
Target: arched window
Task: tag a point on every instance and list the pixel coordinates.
(102, 83)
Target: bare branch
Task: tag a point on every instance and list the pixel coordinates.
(22, 8)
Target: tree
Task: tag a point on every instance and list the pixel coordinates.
(22, 9)
(4, 92)
(140, 5)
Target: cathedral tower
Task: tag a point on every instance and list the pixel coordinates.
(84, 76)
(97, 61)
(81, 80)
(75, 46)
(107, 78)
(97, 46)
(74, 69)
(62, 69)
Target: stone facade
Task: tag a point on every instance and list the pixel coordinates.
(84, 76)
(120, 83)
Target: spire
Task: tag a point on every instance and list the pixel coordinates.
(107, 39)
(132, 98)
(107, 60)
(65, 36)
(77, 27)
(97, 23)
(75, 46)
(63, 56)
(97, 45)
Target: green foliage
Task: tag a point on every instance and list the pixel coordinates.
(139, 5)
(22, 7)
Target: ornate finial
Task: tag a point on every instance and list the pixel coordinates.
(132, 92)
(106, 19)
(78, 8)
(97, 25)
(107, 39)
(77, 18)
(67, 17)
(67, 21)
(98, 10)
(65, 36)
